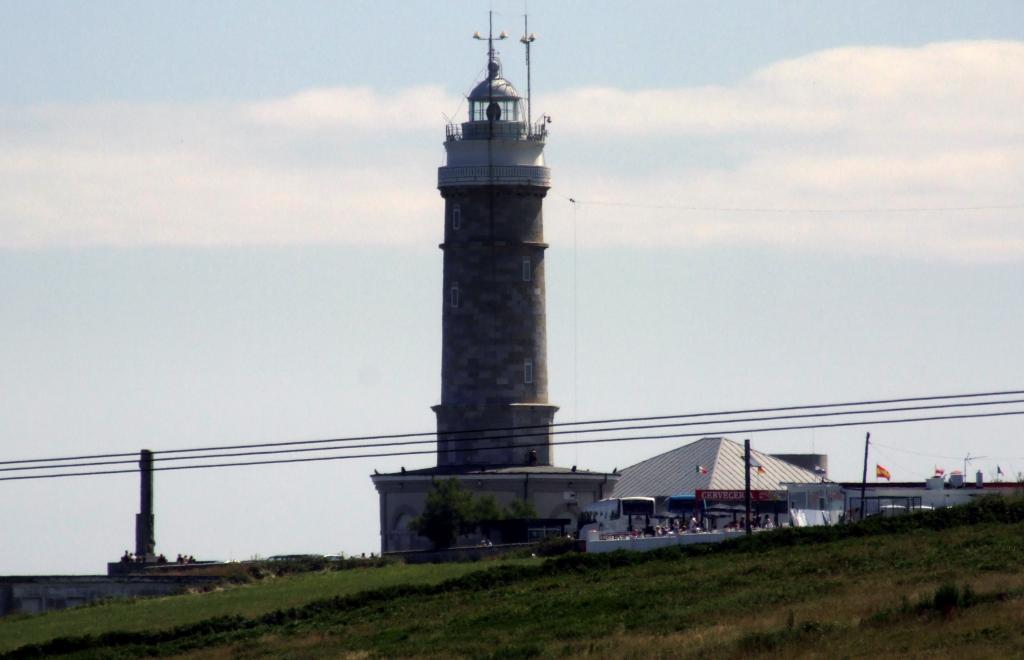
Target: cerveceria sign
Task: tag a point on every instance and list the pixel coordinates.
(739, 495)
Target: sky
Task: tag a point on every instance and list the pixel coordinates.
(219, 225)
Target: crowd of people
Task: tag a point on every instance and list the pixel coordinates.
(755, 523)
(132, 558)
(682, 525)
(675, 526)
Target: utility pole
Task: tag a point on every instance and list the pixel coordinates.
(746, 482)
(864, 478)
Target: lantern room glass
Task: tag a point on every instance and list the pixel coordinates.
(508, 110)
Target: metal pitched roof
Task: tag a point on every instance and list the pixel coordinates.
(676, 471)
(511, 469)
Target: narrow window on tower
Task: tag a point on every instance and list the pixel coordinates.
(528, 371)
(456, 217)
(527, 269)
(455, 295)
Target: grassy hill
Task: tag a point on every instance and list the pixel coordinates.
(247, 600)
(945, 582)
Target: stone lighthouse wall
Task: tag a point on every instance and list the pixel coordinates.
(494, 352)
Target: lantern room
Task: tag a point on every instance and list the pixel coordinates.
(495, 99)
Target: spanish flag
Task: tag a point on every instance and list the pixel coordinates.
(882, 473)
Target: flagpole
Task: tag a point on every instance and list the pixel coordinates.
(864, 478)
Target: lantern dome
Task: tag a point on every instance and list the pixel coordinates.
(494, 98)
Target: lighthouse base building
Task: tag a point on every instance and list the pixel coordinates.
(555, 493)
(494, 418)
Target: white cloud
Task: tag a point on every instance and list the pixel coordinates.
(960, 89)
(216, 174)
(851, 128)
(357, 108)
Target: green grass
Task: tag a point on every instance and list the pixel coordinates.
(780, 602)
(945, 583)
(248, 600)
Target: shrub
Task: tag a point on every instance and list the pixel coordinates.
(770, 641)
(553, 546)
(946, 599)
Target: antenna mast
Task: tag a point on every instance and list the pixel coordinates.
(490, 36)
(491, 55)
(526, 40)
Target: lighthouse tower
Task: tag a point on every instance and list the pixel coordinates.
(494, 419)
(494, 343)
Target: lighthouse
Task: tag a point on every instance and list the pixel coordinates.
(494, 339)
(494, 418)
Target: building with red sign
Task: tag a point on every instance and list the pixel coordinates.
(706, 478)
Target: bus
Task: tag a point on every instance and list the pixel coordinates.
(617, 515)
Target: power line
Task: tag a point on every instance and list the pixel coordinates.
(539, 444)
(917, 453)
(447, 434)
(841, 413)
(69, 458)
(796, 210)
(949, 458)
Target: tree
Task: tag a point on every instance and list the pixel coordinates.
(449, 511)
(486, 508)
(520, 509)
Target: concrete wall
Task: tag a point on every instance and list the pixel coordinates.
(469, 553)
(644, 543)
(34, 595)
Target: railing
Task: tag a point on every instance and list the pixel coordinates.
(482, 175)
(482, 130)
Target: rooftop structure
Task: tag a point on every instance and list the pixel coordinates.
(708, 464)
